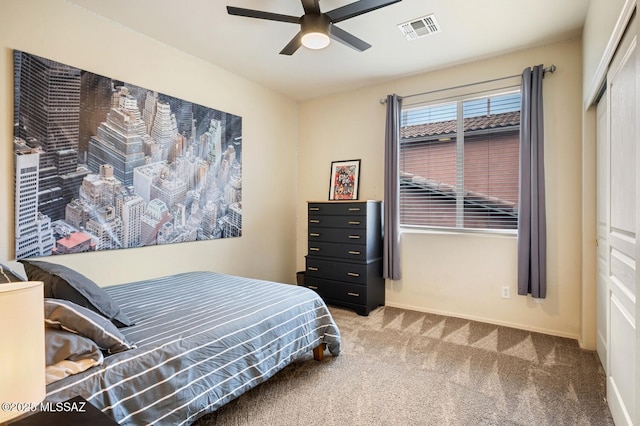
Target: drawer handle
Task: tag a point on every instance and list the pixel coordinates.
(313, 287)
(354, 237)
(353, 274)
(314, 221)
(311, 268)
(314, 249)
(354, 252)
(354, 209)
(353, 294)
(314, 234)
(354, 222)
(314, 209)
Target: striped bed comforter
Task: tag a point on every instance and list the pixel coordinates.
(202, 339)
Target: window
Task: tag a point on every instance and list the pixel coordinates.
(459, 163)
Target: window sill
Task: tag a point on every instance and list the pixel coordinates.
(407, 229)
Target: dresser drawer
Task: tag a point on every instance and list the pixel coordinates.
(337, 235)
(342, 251)
(350, 293)
(341, 208)
(355, 273)
(320, 221)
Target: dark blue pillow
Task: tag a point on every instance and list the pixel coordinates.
(61, 282)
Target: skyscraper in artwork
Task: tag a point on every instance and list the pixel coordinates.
(48, 117)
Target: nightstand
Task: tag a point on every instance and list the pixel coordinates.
(89, 416)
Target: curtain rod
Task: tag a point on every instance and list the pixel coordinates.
(550, 69)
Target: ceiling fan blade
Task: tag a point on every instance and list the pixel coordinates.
(293, 45)
(347, 38)
(250, 13)
(311, 6)
(358, 8)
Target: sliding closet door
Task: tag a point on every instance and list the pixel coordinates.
(602, 215)
(620, 252)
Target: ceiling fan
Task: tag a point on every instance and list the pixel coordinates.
(317, 28)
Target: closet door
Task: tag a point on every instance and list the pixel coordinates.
(621, 231)
(602, 215)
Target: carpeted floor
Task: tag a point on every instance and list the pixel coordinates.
(401, 367)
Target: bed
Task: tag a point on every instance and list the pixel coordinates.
(197, 341)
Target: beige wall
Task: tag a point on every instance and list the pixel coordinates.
(58, 30)
(462, 274)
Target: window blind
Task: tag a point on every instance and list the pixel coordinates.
(459, 163)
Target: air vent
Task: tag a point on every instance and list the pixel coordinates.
(420, 27)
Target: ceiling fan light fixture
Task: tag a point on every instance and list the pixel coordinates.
(315, 40)
(315, 31)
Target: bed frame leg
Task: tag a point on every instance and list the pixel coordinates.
(318, 352)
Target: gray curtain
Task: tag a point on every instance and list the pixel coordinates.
(532, 227)
(391, 251)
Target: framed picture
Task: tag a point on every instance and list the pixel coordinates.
(344, 180)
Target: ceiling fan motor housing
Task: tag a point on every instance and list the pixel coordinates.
(315, 23)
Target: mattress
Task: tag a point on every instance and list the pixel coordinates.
(202, 339)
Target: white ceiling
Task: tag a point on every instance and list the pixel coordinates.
(471, 29)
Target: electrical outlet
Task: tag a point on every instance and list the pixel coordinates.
(506, 292)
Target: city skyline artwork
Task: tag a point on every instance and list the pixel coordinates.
(101, 164)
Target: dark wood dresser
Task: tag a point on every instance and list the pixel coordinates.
(344, 259)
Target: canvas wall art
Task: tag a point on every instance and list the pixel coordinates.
(101, 164)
